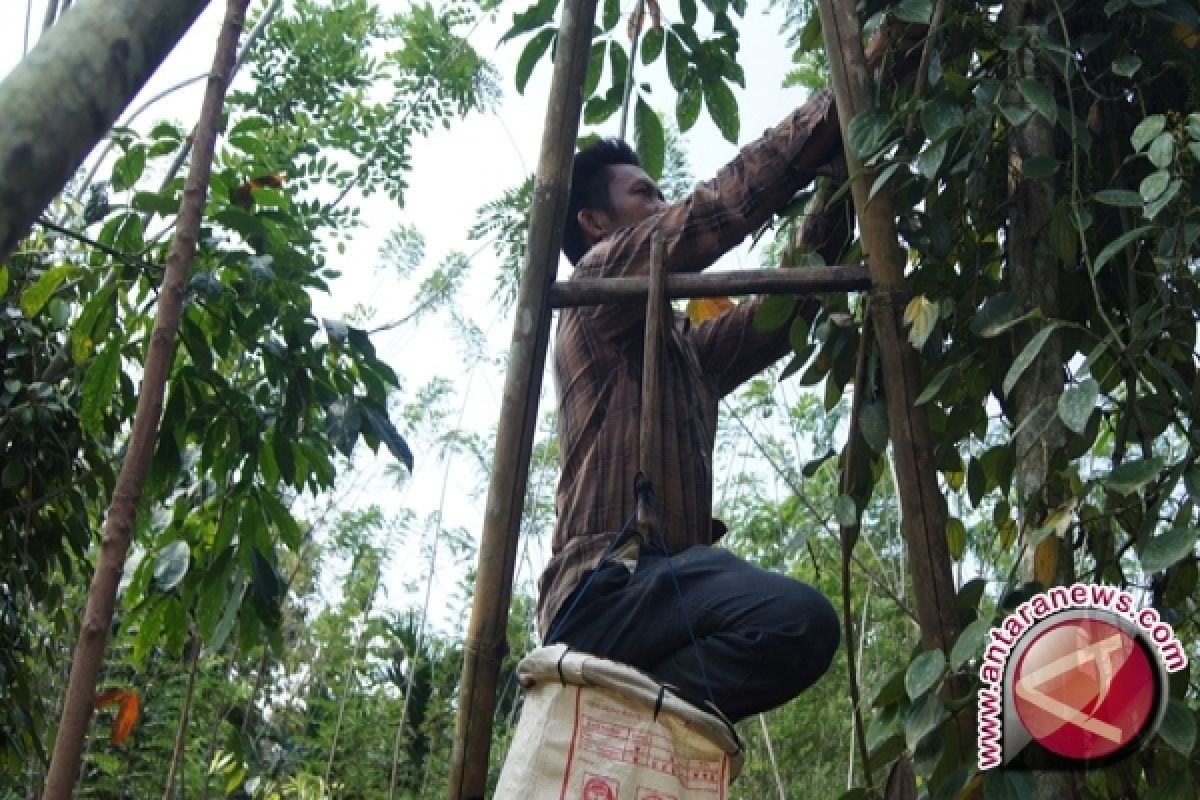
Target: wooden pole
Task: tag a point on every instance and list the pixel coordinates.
(486, 632)
(649, 426)
(594, 291)
(920, 498)
(127, 494)
(62, 98)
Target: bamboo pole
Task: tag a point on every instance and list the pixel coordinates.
(649, 426)
(486, 631)
(924, 520)
(63, 97)
(102, 595)
(593, 291)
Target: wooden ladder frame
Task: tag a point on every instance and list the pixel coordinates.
(538, 295)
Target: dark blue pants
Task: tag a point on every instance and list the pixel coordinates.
(761, 638)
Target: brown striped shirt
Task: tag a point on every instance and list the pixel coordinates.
(598, 357)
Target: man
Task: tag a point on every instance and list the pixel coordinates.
(703, 621)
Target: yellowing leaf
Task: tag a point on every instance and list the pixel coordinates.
(128, 708)
(1189, 36)
(702, 309)
(1045, 561)
(920, 315)
(127, 717)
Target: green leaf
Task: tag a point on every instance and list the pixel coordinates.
(1154, 184)
(1016, 115)
(1117, 245)
(1168, 548)
(773, 312)
(956, 538)
(377, 422)
(1126, 66)
(534, 49)
(3, 280)
(1026, 356)
(281, 518)
(98, 385)
(12, 475)
(1039, 166)
(998, 313)
(723, 108)
(677, 62)
(874, 425)
(867, 131)
(1076, 404)
(611, 14)
(1178, 727)
(171, 565)
(970, 642)
(1147, 131)
(533, 17)
(935, 384)
(1119, 197)
(1133, 475)
(845, 511)
(1039, 96)
(924, 672)
(1153, 208)
(918, 11)
(882, 178)
(649, 138)
(36, 296)
(652, 44)
(267, 589)
(687, 10)
(1162, 150)
(1008, 785)
(595, 69)
(155, 203)
(921, 718)
(940, 116)
(687, 107)
(128, 168)
(229, 615)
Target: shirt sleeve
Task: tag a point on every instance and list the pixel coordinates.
(732, 351)
(720, 212)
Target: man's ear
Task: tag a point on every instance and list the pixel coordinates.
(592, 222)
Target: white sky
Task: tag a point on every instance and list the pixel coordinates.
(455, 172)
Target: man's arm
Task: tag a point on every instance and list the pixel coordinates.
(721, 212)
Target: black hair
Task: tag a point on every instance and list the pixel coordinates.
(589, 188)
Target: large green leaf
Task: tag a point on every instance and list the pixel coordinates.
(1117, 245)
(918, 11)
(970, 642)
(924, 673)
(1167, 549)
(922, 717)
(531, 18)
(171, 565)
(1076, 404)
(677, 62)
(998, 313)
(723, 108)
(377, 422)
(1039, 97)
(652, 44)
(534, 49)
(36, 296)
(1026, 356)
(649, 138)
(99, 382)
(687, 106)
(1147, 131)
(867, 131)
(1133, 475)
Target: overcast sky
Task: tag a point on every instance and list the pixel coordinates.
(455, 172)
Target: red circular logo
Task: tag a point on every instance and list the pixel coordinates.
(1084, 688)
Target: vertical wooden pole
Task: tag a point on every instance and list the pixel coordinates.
(920, 498)
(486, 632)
(657, 315)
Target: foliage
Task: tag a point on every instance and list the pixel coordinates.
(264, 399)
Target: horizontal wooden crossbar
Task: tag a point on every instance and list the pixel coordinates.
(808, 280)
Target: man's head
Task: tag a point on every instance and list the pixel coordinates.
(609, 191)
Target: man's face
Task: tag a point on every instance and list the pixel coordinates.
(634, 198)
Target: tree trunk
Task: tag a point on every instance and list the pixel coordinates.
(1033, 275)
(89, 652)
(65, 95)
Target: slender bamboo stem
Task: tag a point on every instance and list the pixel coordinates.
(592, 291)
(89, 653)
(181, 730)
